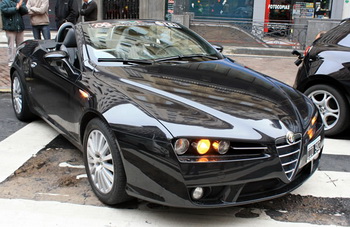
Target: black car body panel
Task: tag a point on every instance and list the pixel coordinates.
(326, 62)
(149, 106)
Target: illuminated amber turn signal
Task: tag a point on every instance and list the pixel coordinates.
(311, 133)
(216, 145)
(84, 94)
(313, 120)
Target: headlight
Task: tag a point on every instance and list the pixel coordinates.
(181, 146)
(201, 146)
(221, 146)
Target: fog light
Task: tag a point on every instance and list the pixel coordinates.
(197, 193)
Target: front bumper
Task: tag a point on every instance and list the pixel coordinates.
(155, 174)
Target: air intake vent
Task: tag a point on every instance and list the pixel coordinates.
(289, 154)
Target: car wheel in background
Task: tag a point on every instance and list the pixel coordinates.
(103, 163)
(333, 107)
(19, 101)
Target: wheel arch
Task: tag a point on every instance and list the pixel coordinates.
(326, 80)
(28, 112)
(12, 70)
(85, 121)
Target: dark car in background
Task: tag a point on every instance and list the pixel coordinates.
(161, 115)
(324, 76)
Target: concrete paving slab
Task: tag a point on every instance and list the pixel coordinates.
(326, 184)
(29, 213)
(34, 137)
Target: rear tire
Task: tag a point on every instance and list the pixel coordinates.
(19, 99)
(333, 107)
(103, 163)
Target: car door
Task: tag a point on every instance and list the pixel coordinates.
(54, 90)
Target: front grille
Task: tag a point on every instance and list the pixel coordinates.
(289, 154)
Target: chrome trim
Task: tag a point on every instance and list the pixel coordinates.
(249, 148)
(289, 154)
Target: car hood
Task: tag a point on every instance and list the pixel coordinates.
(210, 99)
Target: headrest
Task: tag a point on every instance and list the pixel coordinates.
(62, 31)
(69, 39)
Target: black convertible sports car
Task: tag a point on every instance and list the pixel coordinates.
(162, 115)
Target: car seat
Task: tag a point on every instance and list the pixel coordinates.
(69, 45)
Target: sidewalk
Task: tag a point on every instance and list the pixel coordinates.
(5, 83)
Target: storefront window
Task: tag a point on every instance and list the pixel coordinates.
(169, 8)
(222, 8)
(287, 10)
(279, 10)
(323, 9)
(304, 9)
(313, 9)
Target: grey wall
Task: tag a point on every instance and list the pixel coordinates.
(259, 10)
(99, 9)
(337, 9)
(152, 9)
(315, 26)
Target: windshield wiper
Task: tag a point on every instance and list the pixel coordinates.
(184, 57)
(125, 61)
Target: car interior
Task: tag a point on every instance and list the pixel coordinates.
(66, 41)
(69, 45)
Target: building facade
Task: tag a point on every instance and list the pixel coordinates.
(255, 10)
(258, 10)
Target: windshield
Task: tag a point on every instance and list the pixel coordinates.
(138, 41)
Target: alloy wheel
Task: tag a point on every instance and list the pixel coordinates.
(17, 95)
(100, 161)
(328, 106)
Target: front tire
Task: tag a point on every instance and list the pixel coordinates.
(19, 99)
(103, 163)
(333, 107)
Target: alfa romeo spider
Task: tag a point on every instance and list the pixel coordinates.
(162, 115)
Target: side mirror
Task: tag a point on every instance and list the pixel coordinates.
(300, 57)
(218, 47)
(60, 59)
(297, 53)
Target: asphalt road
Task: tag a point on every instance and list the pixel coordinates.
(8, 121)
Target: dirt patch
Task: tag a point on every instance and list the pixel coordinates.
(307, 209)
(53, 174)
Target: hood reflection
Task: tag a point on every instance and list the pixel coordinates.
(209, 94)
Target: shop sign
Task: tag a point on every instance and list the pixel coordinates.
(276, 6)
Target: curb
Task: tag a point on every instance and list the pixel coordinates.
(276, 52)
(5, 90)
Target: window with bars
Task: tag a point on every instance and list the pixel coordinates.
(121, 9)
